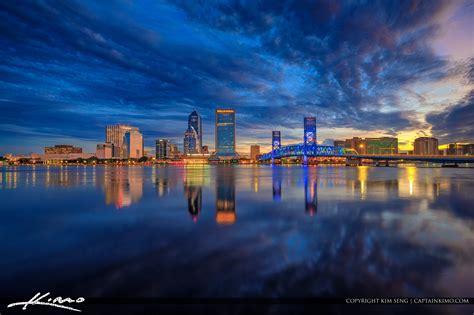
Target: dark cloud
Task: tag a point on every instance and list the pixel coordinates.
(456, 123)
(71, 67)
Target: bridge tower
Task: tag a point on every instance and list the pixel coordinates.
(309, 136)
(276, 143)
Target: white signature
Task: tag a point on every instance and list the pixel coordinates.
(39, 299)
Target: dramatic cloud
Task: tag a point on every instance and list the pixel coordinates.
(456, 123)
(69, 68)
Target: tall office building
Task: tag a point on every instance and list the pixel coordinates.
(132, 144)
(254, 152)
(425, 146)
(190, 141)
(225, 133)
(163, 149)
(194, 121)
(115, 134)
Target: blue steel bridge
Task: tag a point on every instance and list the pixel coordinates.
(314, 150)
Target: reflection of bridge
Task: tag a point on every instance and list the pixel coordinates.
(314, 150)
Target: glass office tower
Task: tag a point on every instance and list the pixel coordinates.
(225, 133)
(194, 122)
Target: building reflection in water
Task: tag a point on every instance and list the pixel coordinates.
(123, 186)
(225, 195)
(311, 190)
(193, 181)
(164, 180)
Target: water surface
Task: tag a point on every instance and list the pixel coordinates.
(237, 231)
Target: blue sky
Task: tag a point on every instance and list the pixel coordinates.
(363, 68)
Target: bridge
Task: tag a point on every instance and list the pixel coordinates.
(314, 150)
(310, 148)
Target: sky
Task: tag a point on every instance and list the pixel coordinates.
(362, 68)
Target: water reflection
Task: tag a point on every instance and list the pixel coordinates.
(311, 190)
(194, 180)
(123, 186)
(225, 195)
(395, 231)
(276, 180)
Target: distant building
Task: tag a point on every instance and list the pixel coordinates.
(339, 143)
(225, 133)
(115, 134)
(425, 146)
(456, 149)
(254, 152)
(62, 149)
(174, 152)
(205, 149)
(163, 149)
(383, 145)
(357, 144)
(132, 144)
(105, 151)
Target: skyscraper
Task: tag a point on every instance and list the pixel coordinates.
(192, 142)
(115, 134)
(194, 121)
(163, 149)
(225, 133)
(132, 144)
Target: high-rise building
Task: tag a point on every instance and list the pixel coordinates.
(225, 133)
(254, 152)
(163, 149)
(425, 146)
(115, 134)
(382, 145)
(105, 151)
(194, 121)
(132, 144)
(62, 149)
(190, 141)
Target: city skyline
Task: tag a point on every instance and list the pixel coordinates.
(406, 72)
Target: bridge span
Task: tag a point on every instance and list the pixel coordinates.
(300, 150)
